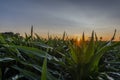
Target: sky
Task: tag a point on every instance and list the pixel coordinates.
(56, 16)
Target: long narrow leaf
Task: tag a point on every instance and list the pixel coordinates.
(44, 70)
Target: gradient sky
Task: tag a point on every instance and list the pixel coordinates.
(57, 16)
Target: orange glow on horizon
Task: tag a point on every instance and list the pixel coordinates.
(77, 37)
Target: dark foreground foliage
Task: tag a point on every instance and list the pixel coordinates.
(35, 58)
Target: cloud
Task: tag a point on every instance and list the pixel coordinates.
(71, 15)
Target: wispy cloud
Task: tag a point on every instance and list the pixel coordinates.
(70, 15)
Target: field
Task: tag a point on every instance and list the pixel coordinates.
(35, 58)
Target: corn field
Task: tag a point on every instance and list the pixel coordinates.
(36, 58)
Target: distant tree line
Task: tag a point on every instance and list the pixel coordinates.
(10, 34)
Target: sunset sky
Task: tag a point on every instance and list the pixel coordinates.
(57, 16)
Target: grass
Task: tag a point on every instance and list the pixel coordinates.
(34, 58)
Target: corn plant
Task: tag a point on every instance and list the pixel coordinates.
(35, 58)
(83, 60)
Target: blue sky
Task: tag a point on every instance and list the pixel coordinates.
(57, 16)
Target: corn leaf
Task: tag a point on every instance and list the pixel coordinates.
(44, 70)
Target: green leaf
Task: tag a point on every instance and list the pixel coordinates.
(28, 74)
(31, 52)
(6, 59)
(44, 70)
(2, 40)
(90, 49)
